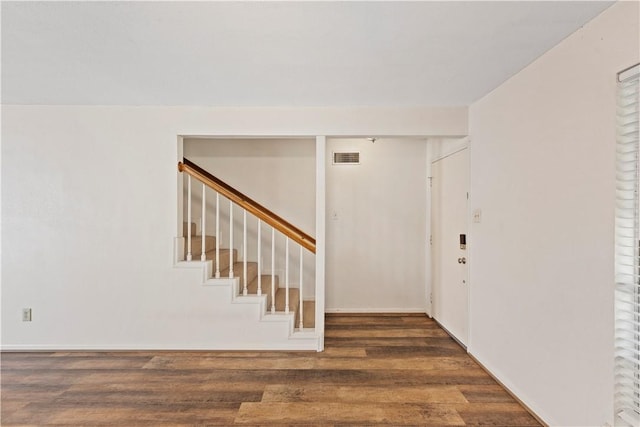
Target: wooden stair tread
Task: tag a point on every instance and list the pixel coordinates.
(196, 245)
(185, 229)
(281, 299)
(224, 259)
(309, 315)
(238, 271)
(266, 284)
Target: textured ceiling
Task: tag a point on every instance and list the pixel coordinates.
(274, 53)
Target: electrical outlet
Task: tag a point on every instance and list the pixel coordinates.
(26, 315)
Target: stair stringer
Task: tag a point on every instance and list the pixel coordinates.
(240, 322)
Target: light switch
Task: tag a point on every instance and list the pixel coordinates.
(477, 216)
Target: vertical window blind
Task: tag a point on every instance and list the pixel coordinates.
(627, 251)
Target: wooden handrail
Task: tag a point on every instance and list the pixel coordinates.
(251, 206)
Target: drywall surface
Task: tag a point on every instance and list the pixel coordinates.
(90, 213)
(376, 226)
(543, 174)
(278, 173)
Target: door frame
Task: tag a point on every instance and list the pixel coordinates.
(438, 149)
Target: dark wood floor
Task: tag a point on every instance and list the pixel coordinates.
(391, 370)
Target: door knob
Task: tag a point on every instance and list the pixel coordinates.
(462, 260)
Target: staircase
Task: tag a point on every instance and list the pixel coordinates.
(265, 311)
(252, 278)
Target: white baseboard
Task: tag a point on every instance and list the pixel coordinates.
(300, 343)
(376, 310)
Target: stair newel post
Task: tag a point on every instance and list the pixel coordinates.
(230, 239)
(273, 270)
(259, 257)
(244, 252)
(301, 304)
(203, 256)
(189, 256)
(286, 275)
(217, 235)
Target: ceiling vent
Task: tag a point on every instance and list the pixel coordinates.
(346, 158)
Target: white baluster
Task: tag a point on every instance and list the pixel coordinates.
(189, 257)
(230, 239)
(244, 251)
(273, 270)
(301, 303)
(286, 275)
(259, 257)
(203, 256)
(217, 235)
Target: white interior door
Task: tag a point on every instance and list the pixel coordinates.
(449, 198)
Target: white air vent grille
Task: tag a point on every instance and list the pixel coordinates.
(344, 158)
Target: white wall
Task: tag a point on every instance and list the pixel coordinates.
(543, 150)
(278, 173)
(376, 226)
(91, 253)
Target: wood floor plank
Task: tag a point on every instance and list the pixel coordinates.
(342, 352)
(381, 323)
(9, 406)
(492, 393)
(89, 362)
(413, 363)
(496, 414)
(155, 397)
(195, 388)
(121, 415)
(241, 380)
(30, 394)
(43, 377)
(355, 394)
(415, 351)
(8, 355)
(377, 321)
(385, 333)
(387, 342)
(390, 369)
(389, 414)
